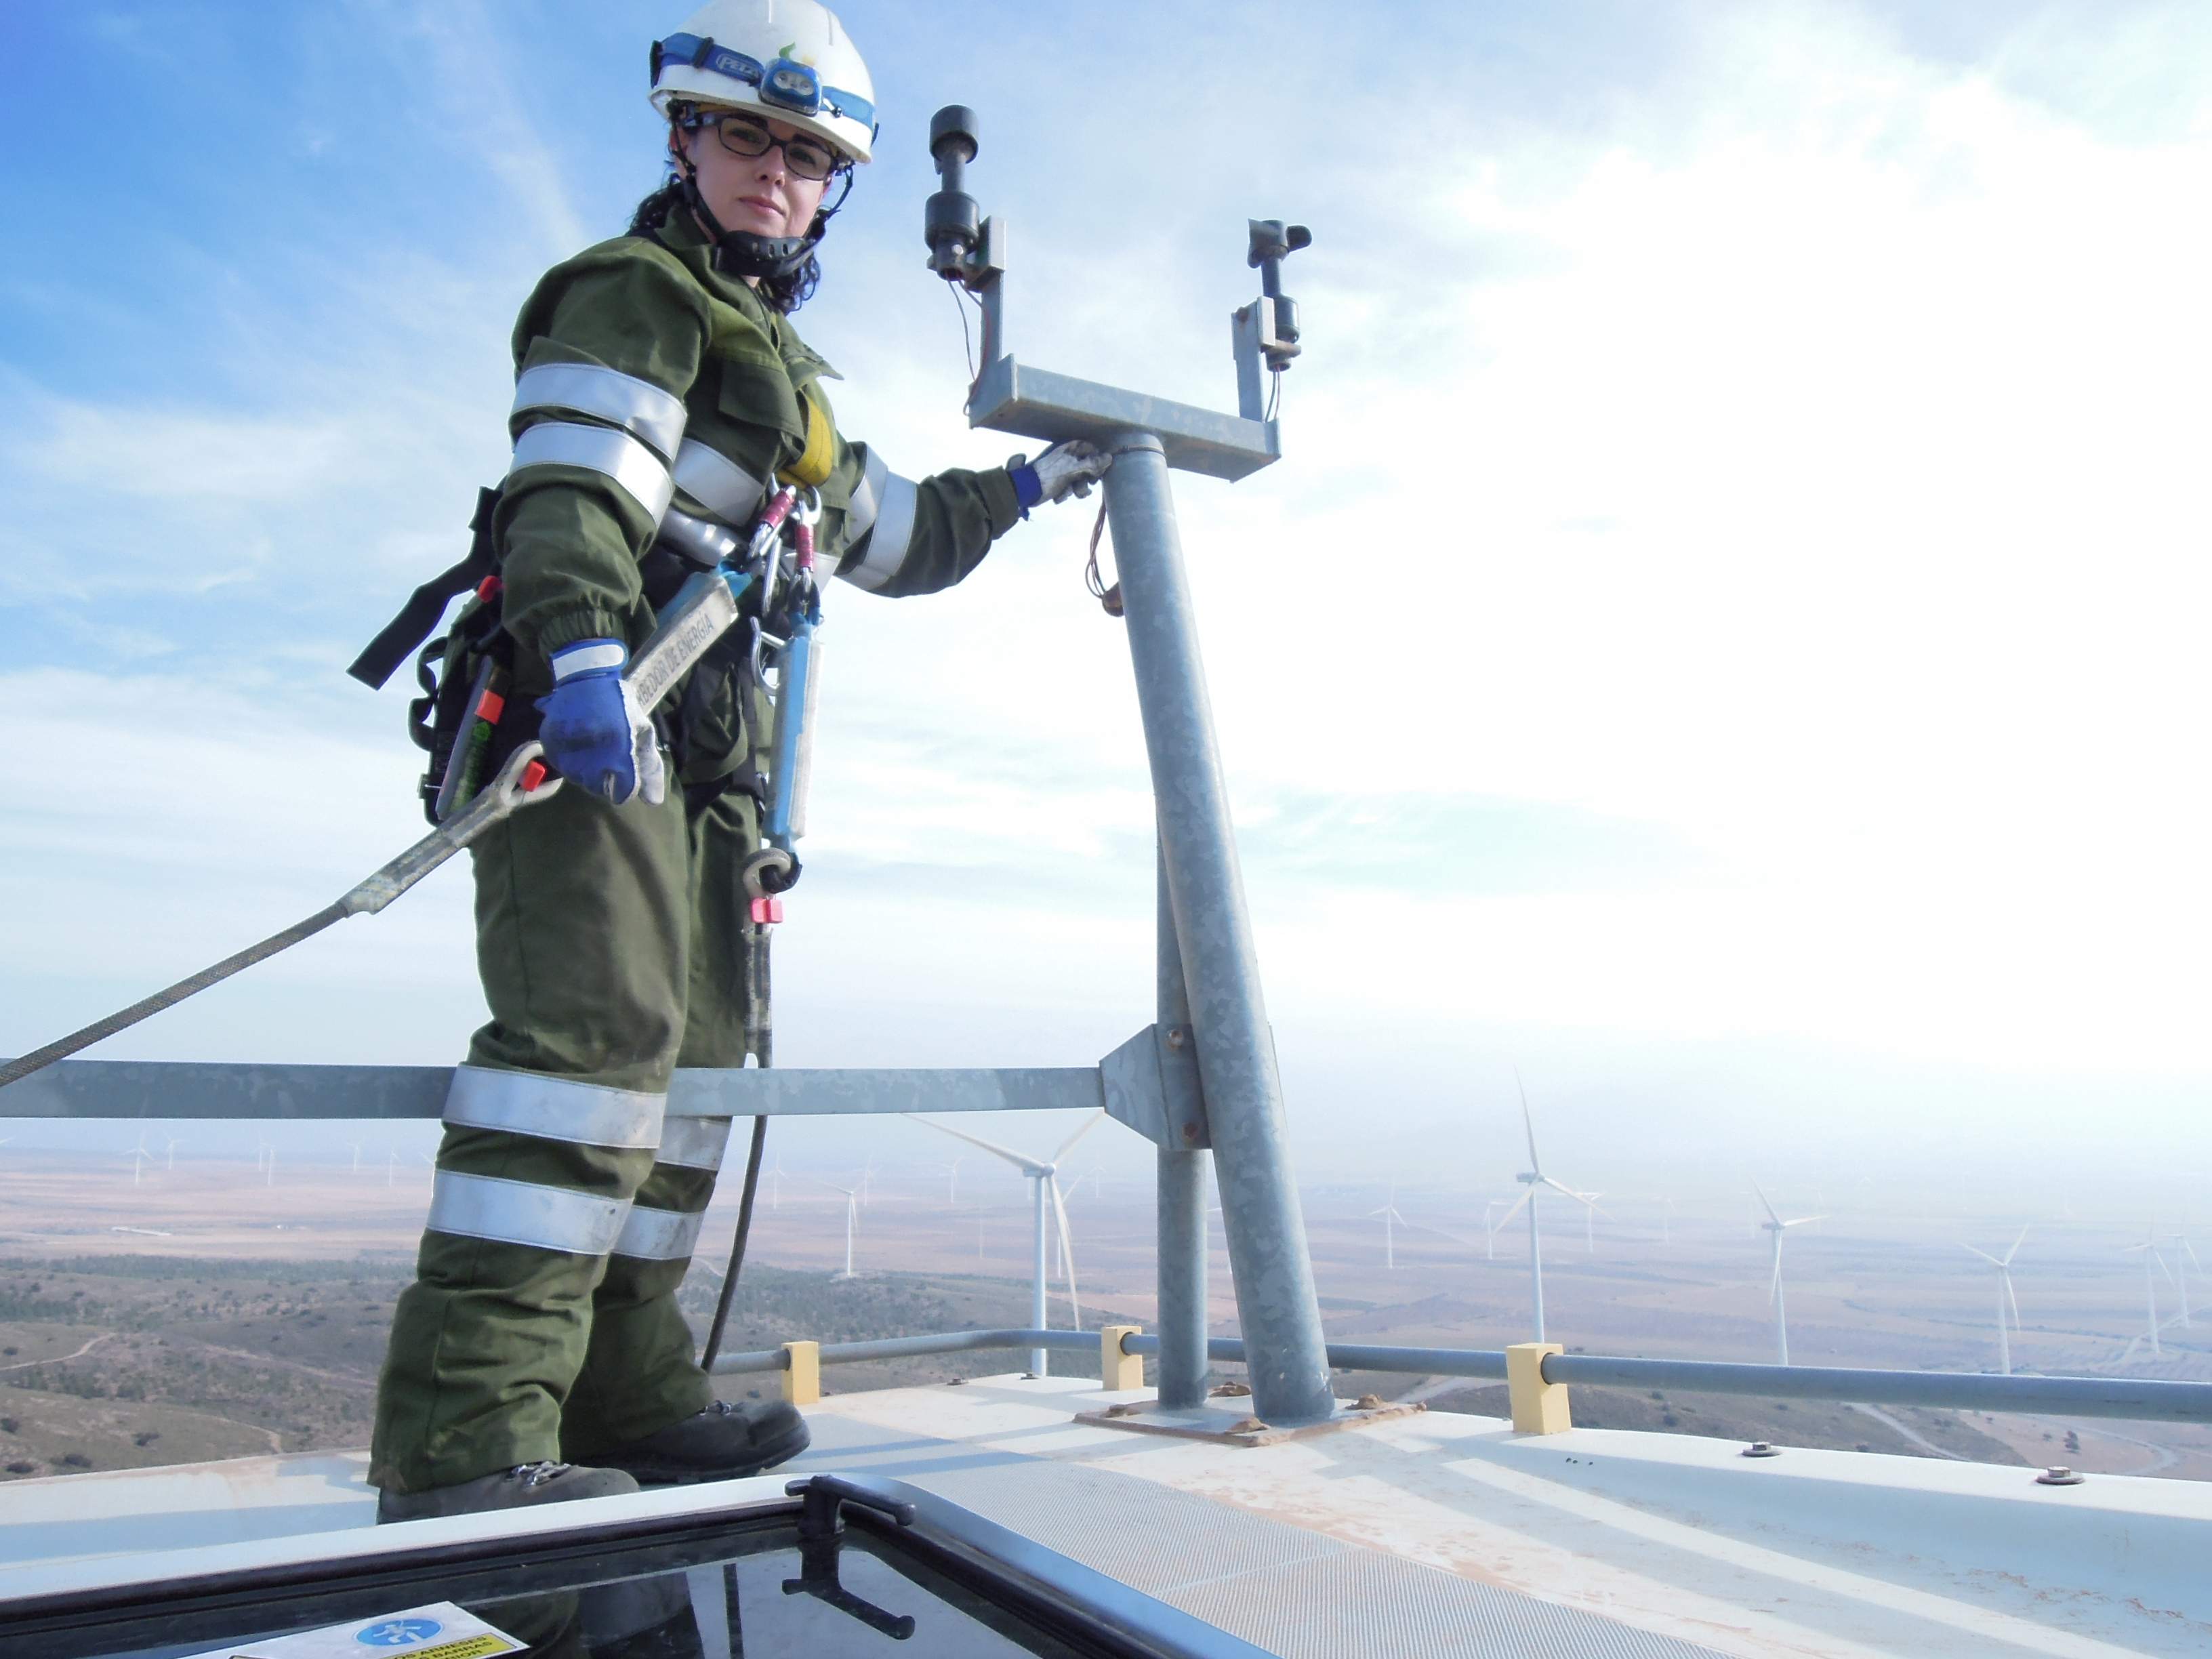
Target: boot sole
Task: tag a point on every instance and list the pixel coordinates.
(668, 1474)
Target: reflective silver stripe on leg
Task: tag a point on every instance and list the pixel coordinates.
(892, 532)
(717, 482)
(639, 407)
(658, 1234)
(554, 1108)
(693, 1143)
(520, 1213)
(635, 469)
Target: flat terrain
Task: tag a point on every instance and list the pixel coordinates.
(215, 1311)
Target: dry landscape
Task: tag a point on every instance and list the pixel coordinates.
(210, 1310)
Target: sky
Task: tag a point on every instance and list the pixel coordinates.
(1723, 638)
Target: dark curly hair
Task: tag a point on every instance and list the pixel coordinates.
(781, 294)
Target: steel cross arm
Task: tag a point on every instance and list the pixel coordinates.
(184, 1089)
(1010, 396)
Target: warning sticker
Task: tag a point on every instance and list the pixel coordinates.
(441, 1630)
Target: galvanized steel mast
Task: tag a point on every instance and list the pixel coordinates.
(1205, 925)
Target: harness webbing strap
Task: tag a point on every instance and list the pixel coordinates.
(397, 641)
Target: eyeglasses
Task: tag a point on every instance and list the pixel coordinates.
(741, 135)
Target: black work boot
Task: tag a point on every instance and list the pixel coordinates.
(726, 1442)
(506, 1489)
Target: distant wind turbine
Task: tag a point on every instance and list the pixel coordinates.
(951, 1172)
(852, 1219)
(775, 1187)
(1775, 1227)
(2154, 1264)
(170, 1145)
(1391, 1218)
(139, 1157)
(390, 1165)
(1050, 1205)
(353, 1146)
(2004, 1296)
(1535, 1181)
(2181, 1279)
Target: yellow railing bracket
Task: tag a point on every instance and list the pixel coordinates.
(802, 1373)
(1538, 1407)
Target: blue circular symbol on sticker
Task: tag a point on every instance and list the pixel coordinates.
(398, 1633)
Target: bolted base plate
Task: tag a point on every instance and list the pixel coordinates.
(1228, 1421)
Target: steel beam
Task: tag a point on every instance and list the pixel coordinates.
(1036, 403)
(1275, 1298)
(178, 1088)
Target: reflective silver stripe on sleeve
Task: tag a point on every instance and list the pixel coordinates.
(638, 406)
(717, 482)
(633, 467)
(867, 498)
(893, 530)
(518, 1213)
(693, 1143)
(553, 1108)
(658, 1234)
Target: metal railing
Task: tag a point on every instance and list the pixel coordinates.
(2141, 1399)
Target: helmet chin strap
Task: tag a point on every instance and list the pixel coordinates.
(741, 253)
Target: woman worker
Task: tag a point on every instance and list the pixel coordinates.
(540, 1355)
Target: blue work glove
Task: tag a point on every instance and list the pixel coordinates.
(594, 733)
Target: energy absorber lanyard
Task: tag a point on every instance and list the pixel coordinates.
(791, 757)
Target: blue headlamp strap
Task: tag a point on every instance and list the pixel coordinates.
(785, 83)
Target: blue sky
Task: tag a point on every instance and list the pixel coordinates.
(1723, 637)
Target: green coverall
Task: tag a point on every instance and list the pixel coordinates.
(543, 1321)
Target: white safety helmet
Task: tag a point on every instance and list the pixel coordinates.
(791, 58)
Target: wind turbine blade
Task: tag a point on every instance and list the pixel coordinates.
(2016, 1243)
(816, 1180)
(2193, 1261)
(1984, 1255)
(1025, 1164)
(1774, 1284)
(1067, 1250)
(1803, 1219)
(2163, 1269)
(1089, 1124)
(1500, 1225)
(1528, 1123)
(1765, 1205)
(2013, 1297)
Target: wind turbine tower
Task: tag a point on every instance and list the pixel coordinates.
(1051, 1206)
(1535, 1181)
(2004, 1296)
(1775, 1226)
(1390, 1218)
(139, 1157)
(852, 1219)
